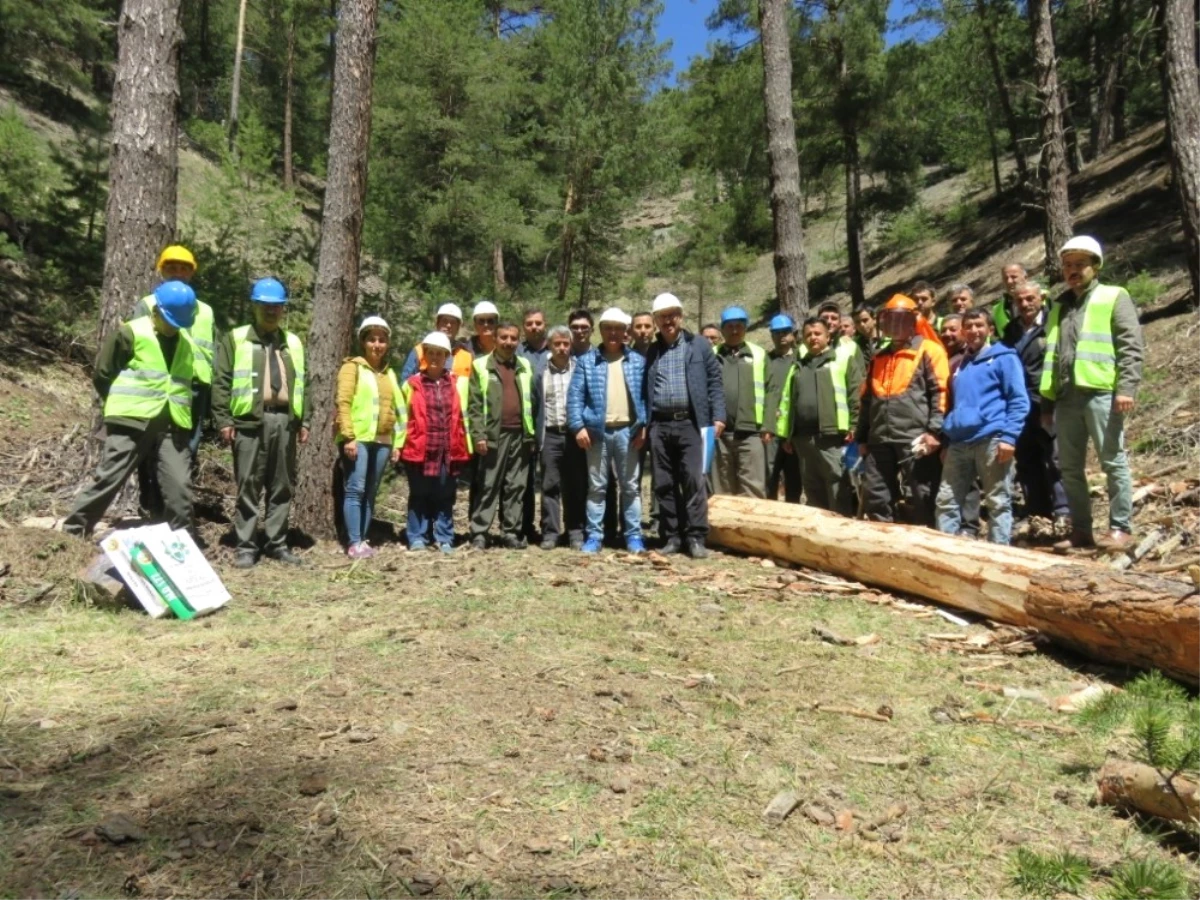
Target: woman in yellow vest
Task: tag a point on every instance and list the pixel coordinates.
(368, 422)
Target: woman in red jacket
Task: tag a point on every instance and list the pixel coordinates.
(434, 445)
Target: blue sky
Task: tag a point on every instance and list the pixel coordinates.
(682, 22)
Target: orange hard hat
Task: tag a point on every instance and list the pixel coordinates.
(901, 302)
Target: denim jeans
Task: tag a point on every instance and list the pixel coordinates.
(1078, 416)
(362, 477)
(430, 506)
(613, 446)
(964, 463)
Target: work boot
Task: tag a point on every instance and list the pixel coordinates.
(285, 556)
(479, 542)
(696, 549)
(673, 545)
(1075, 539)
(1115, 541)
(246, 559)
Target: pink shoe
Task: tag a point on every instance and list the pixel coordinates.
(366, 550)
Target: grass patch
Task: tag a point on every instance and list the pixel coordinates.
(1144, 289)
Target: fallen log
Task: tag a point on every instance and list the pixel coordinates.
(1119, 618)
(1130, 785)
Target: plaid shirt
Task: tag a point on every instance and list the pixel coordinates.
(669, 393)
(439, 397)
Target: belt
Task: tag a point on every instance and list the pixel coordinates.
(617, 427)
(277, 409)
(551, 429)
(671, 416)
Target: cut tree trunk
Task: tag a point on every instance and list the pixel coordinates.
(1181, 82)
(1134, 786)
(1053, 167)
(143, 171)
(336, 290)
(791, 266)
(1116, 617)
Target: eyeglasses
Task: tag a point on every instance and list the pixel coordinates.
(488, 321)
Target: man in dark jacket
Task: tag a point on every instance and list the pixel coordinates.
(781, 467)
(988, 406)
(684, 394)
(1037, 453)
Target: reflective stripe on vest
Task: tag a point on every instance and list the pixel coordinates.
(201, 333)
(1095, 366)
(524, 382)
(364, 408)
(838, 369)
(242, 390)
(145, 386)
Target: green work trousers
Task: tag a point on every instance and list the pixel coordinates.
(740, 466)
(820, 460)
(500, 479)
(264, 458)
(124, 449)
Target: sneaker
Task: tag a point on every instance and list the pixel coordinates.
(479, 542)
(246, 559)
(446, 548)
(366, 550)
(697, 550)
(673, 545)
(514, 542)
(354, 551)
(635, 545)
(1075, 539)
(285, 556)
(416, 546)
(591, 545)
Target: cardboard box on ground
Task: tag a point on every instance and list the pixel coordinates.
(165, 571)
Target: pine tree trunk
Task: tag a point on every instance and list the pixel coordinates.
(995, 149)
(1053, 164)
(499, 281)
(289, 89)
(236, 88)
(1181, 81)
(1006, 107)
(1074, 150)
(336, 290)
(858, 289)
(140, 215)
(566, 244)
(791, 267)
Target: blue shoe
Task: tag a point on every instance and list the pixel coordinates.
(416, 546)
(635, 545)
(591, 545)
(446, 548)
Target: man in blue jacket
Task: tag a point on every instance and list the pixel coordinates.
(684, 393)
(988, 406)
(606, 413)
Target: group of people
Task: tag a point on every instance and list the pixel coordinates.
(942, 409)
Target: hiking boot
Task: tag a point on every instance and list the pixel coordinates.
(697, 550)
(1115, 541)
(673, 545)
(1075, 539)
(285, 556)
(245, 559)
(591, 545)
(479, 542)
(514, 542)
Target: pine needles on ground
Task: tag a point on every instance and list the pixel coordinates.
(1160, 716)
(1044, 875)
(1148, 879)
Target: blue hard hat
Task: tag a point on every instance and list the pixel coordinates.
(177, 302)
(782, 323)
(268, 290)
(735, 314)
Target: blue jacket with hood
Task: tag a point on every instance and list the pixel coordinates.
(987, 397)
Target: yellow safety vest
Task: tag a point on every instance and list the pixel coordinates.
(364, 408)
(242, 390)
(203, 335)
(758, 370)
(1095, 365)
(524, 380)
(838, 369)
(146, 385)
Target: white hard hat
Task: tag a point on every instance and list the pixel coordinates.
(615, 316)
(374, 322)
(437, 339)
(664, 302)
(485, 308)
(449, 309)
(1082, 243)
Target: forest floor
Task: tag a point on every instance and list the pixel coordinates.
(527, 724)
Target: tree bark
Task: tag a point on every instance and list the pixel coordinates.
(1122, 619)
(1052, 167)
(1006, 107)
(1181, 82)
(858, 280)
(566, 243)
(236, 87)
(995, 148)
(289, 88)
(499, 281)
(791, 266)
(336, 290)
(1074, 146)
(143, 172)
(1130, 785)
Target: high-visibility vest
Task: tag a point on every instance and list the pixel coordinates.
(203, 335)
(524, 381)
(1095, 365)
(758, 370)
(242, 389)
(838, 369)
(459, 362)
(462, 387)
(364, 408)
(146, 385)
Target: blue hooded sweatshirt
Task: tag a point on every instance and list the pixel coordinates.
(988, 397)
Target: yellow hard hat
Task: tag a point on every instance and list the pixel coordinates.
(176, 253)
